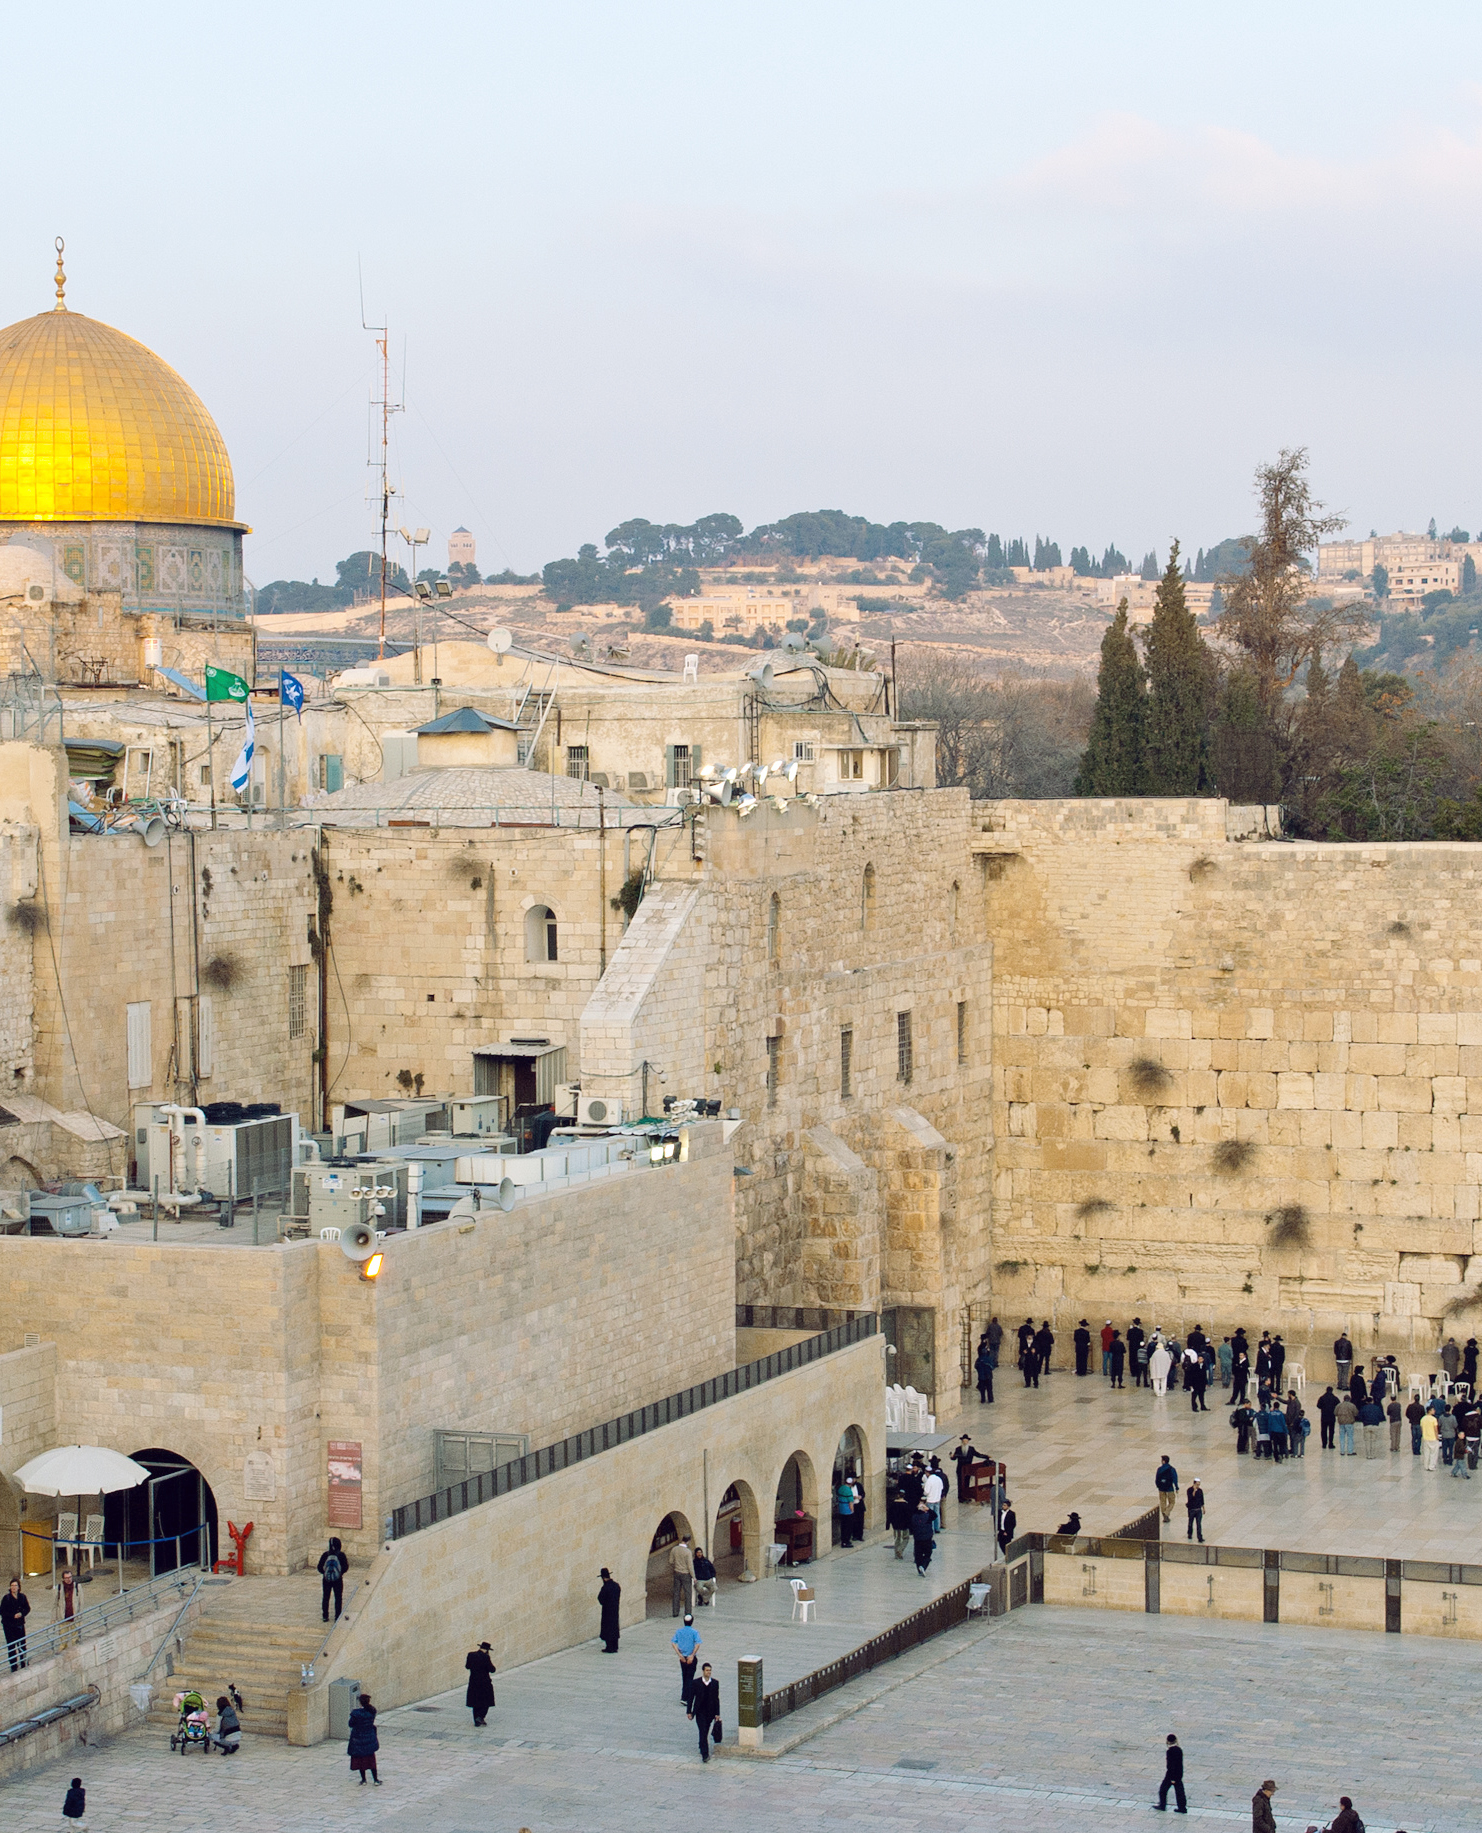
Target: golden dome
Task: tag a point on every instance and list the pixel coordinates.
(95, 428)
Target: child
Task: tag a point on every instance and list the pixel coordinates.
(74, 1808)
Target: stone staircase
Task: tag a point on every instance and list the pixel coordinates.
(255, 1634)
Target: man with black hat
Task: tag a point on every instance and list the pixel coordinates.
(480, 1695)
(609, 1598)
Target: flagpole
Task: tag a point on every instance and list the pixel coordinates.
(282, 816)
(211, 757)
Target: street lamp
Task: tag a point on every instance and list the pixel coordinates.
(415, 540)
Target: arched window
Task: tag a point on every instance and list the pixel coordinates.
(774, 929)
(867, 899)
(540, 933)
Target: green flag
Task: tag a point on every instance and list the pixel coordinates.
(222, 684)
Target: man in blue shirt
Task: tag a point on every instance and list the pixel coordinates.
(1165, 1481)
(686, 1640)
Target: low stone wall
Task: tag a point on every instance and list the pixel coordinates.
(522, 1571)
(109, 1663)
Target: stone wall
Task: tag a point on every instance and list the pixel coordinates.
(28, 1424)
(405, 1638)
(563, 1313)
(1235, 1081)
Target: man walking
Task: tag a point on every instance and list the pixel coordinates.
(1173, 1778)
(1194, 1503)
(1008, 1523)
(1345, 1414)
(1196, 1380)
(1343, 1357)
(1165, 1481)
(898, 1520)
(682, 1577)
(705, 1709)
(1327, 1406)
(685, 1640)
(933, 1488)
(1262, 1820)
(922, 1534)
(333, 1565)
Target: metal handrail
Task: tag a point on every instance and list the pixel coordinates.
(97, 1619)
(38, 1721)
(427, 1511)
(164, 1640)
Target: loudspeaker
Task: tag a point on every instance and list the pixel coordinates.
(150, 829)
(358, 1241)
(508, 1191)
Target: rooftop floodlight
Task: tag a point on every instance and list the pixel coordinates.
(761, 773)
(790, 770)
(372, 1269)
(707, 773)
(422, 536)
(656, 1153)
(445, 588)
(776, 766)
(405, 534)
(730, 774)
(423, 589)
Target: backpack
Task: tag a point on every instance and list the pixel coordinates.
(333, 1570)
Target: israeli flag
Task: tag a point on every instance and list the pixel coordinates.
(242, 769)
(291, 691)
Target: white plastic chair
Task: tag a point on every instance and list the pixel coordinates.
(92, 1541)
(802, 1599)
(1296, 1375)
(977, 1598)
(1420, 1387)
(1391, 1380)
(66, 1534)
(1464, 1388)
(329, 1234)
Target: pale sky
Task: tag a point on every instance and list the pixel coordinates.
(1059, 269)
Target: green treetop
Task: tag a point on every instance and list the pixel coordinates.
(1180, 678)
(1113, 760)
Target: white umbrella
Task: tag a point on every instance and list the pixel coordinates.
(81, 1470)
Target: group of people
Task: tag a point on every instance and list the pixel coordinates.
(1443, 1431)
(849, 1501)
(1262, 1816)
(913, 1512)
(1165, 1482)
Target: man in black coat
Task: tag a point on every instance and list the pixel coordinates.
(1358, 1388)
(1173, 1778)
(609, 1596)
(480, 1695)
(15, 1607)
(1008, 1526)
(1196, 1380)
(964, 1456)
(1044, 1342)
(1327, 1406)
(1082, 1348)
(1136, 1338)
(705, 1709)
(334, 1563)
(1343, 1357)
(923, 1533)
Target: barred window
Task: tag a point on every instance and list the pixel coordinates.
(298, 1001)
(774, 1069)
(903, 1062)
(846, 1062)
(578, 762)
(961, 1032)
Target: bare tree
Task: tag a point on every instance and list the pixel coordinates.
(1013, 735)
(1267, 611)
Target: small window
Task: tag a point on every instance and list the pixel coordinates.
(298, 1001)
(952, 909)
(140, 1046)
(961, 1032)
(904, 1065)
(774, 929)
(802, 750)
(205, 776)
(578, 762)
(331, 771)
(681, 761)
(867, 899)
(846, 1062)
(851, 766)
(774, 1069)
(540, 933)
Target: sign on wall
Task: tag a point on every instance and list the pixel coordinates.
(259, 1480)
(344, 1483)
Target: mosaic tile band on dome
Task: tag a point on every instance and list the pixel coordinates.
(95, 427)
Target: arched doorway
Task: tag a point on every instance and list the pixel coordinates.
(167, 1522)
(736, 1536)
(795, 1509)
(849, 1461)
(659, 1588)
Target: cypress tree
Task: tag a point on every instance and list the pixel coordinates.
(1180, 679)
(1113, 760)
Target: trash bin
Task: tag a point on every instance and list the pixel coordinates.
(343, 1695)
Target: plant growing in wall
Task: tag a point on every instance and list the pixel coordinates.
(1148, 1078)
(222, 972)
(1232, 1155)
(1093, 1206)
(631, 895)
(28, 918)
(1289, 1227)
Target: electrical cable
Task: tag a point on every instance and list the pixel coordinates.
(349, 1040)
(62, 998)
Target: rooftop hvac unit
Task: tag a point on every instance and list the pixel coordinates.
(474, 1115)
(599, 1111)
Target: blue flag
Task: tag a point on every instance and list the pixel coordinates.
(291, 691)
(242, 769)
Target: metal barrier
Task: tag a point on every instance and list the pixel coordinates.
(943, 1613)
(98, 1619)
(1145, 1527)
(793, 1317)
(445, 1503)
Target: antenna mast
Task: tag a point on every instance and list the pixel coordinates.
(379, 459)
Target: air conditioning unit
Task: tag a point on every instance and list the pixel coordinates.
(599, 779)
(37, 594)
(598, 1111)
(637, 779)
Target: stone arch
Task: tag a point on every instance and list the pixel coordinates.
(852, 1455)
(672, 1526)
(168, 1514)
(21, 1174)
(797, 1485)
(730, 1560)
(541, 929)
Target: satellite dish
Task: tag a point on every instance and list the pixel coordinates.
(499, 641)
(508, 1191)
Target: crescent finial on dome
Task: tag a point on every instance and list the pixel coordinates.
(61, 305)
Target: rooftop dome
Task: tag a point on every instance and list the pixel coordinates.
(95, 428)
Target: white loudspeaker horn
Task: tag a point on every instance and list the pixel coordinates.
(150, 829)
(358, 1241)
(508, 1191)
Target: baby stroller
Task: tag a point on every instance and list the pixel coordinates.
(194, 1729)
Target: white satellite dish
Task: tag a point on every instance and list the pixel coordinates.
(499, 641)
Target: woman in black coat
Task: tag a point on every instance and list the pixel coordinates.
(609, 1597)
(364, 1740)
(480, 1695)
